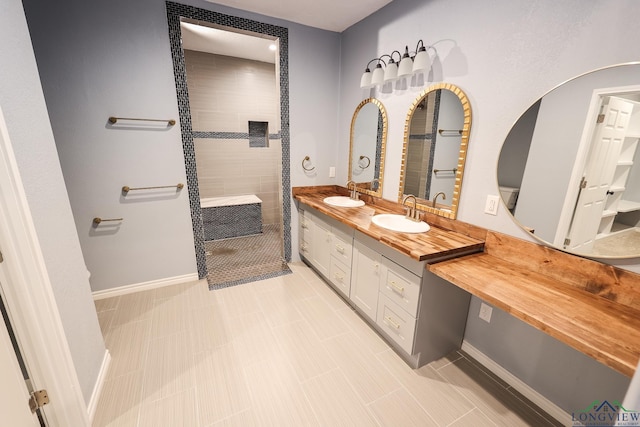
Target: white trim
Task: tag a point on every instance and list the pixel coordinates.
(30, 301)
(144, 286)
(97, 389)
(545, 404)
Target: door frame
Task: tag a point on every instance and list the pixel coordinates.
(30, 301)
(573, 189)
(176, 12)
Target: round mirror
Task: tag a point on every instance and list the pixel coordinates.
(366, 152)
(436, 136)
(568, 170)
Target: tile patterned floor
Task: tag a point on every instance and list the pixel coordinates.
(246, 259)
(286, 351)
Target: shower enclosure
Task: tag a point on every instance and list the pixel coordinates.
(234, 102)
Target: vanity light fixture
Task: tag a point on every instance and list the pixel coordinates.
(378, 74)
(421, 61)
(406, 64)
(391, 70)
(365, 80)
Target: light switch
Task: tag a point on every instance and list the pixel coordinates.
(332, 172)
(491, 206)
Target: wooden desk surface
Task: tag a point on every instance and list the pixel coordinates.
(587, 305)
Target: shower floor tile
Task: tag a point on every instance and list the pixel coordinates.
(245, 259)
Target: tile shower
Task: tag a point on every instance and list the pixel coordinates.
(234, 103)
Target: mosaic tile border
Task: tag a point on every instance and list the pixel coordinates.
(250, 279)
(175, 12)
(227, 135)
(434, 131)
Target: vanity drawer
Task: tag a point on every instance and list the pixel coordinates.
(401, 286)
(396, 323)
(342, 246)
(340, 276)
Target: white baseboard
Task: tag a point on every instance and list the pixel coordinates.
(144, 286)
(545, 404)
(97, 389)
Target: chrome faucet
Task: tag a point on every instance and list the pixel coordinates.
(444, 197)
(354, 190)
(412, 212)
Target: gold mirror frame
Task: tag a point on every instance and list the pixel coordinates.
(383, 114)
(464, 143)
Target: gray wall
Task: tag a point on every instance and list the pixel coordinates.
(514, 52)
(23, 105)
(116, 60)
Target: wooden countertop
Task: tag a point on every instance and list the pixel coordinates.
(588, 305)
(435, 245)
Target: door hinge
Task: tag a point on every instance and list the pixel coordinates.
(38, 399)
(600, 118)
(567, 242)
(583, 183)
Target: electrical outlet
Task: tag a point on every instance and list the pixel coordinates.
(491, 207)
(485, 312)
(332, 172)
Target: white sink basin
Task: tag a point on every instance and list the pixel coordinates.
(343, 202)
(399, 223)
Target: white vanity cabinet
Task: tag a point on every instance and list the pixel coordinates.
(327, 245)
(421, 315)
(398, 304)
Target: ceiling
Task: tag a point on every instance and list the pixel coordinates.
(227, 43)
(331, 15)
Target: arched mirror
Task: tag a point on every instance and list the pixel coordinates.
(368, 141)
(436, 136)
(569, 170)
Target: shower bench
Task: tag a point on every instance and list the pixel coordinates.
(231, 216)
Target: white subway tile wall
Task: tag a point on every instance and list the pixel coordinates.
(226, 93)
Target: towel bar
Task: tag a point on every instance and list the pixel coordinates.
(126, 188)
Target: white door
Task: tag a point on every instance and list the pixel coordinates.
(14, 396)
(601, 163)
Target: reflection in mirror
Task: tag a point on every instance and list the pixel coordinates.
(436, 137)
(568, 170)
(368, 140)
